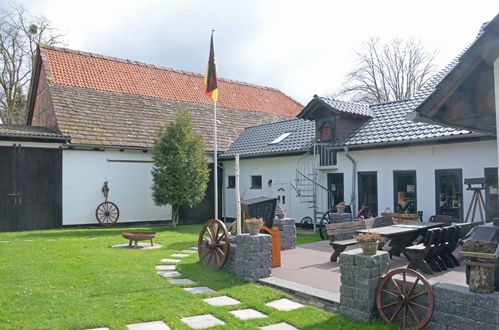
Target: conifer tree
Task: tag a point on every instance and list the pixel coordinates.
(180, 171)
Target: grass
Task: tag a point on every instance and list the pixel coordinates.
(307, 238)
(71, 278)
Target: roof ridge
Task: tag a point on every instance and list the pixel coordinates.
(343, 101)
(389, 102)
(134, 62)
(276, 122)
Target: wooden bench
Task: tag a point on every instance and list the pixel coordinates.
(334, 229)
(402, 217)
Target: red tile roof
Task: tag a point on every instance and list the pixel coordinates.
(80, 69)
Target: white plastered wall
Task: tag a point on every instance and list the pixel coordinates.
(281, 170)
(84, 173)
(471, 157)
(496, 93)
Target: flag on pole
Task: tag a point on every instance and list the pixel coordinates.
(210, 80)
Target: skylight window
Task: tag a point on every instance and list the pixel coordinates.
(281, 137)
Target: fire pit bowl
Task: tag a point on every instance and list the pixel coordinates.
(139, 236)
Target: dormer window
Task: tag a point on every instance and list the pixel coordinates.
(326, 131)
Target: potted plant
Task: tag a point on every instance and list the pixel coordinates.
(340, 207)
(254, 225)
(482, 262)
(280, 212)
(368, 242)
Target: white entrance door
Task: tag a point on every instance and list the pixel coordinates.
(281, 192)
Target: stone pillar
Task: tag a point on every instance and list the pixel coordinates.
(360, 276)
(253, 257)
(287, 228)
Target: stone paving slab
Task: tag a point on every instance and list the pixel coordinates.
(199, 290)
(188, 251)
(166, 267)
(180, 255)
(170, 260)
(181, 281)
(279, 326)
(202, 321)
(284, 304)
(169, 274)
(156, 325)
(246, 314)
(193, 248)
(221, 301)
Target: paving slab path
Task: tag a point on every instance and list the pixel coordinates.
(284, 304)
(166, 267)
(180, 255)
(169, 274)
(170, 260)
(182, 281)
(279, 326)
(199, 290)
(202, 321)
(247, 314)
(221, 301)
(156, 325)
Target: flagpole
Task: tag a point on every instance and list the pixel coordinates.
(215, 159)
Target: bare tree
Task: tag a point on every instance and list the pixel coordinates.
(391, 71)
(19, 35)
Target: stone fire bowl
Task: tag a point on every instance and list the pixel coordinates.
(139, 236)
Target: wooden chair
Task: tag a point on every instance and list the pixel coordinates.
(446, 219)
(342, 228)
(440, 248)
(452, 242)
(417, 254)
(430, 256)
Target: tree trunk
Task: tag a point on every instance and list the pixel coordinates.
(175, 215)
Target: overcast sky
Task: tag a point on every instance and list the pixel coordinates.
(300, 47)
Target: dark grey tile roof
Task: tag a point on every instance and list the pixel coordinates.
(29, 131)
(346, 106)
(256, 140)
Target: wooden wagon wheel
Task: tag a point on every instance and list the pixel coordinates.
(327, 218)
(365, 213)
(402, 300)
(213, 244)
(107, 213)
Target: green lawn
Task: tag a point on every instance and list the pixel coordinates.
(71, 278)
(307, 238)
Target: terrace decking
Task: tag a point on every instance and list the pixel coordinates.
(309, 265)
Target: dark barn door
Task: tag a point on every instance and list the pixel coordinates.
(30, 188)
(205, 210)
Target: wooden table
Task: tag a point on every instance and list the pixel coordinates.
(400, 237)
(420, 225)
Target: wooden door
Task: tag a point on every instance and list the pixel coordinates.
(368, 190)
(30, 188)
(39, 184)
(8, 194)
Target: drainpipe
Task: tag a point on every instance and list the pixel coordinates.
(354, 172)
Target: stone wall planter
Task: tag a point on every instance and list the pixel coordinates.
(253, 229)
(482, 275)
(369, 248)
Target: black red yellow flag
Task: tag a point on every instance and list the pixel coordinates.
(210, 80)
